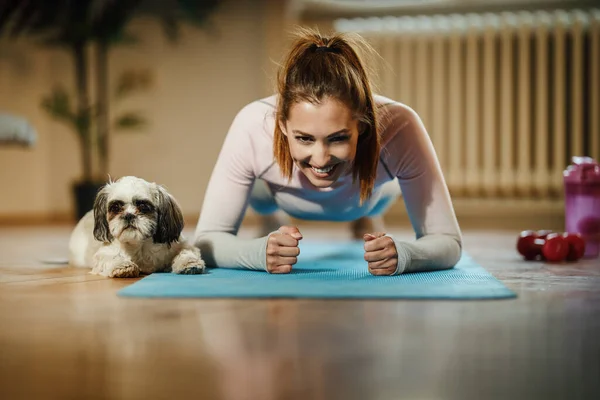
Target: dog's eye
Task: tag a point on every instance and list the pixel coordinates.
(114, 208)
(144, 208)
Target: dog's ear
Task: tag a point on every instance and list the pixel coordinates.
(101, 230)
(169, 223)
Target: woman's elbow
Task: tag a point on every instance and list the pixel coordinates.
(455, 252)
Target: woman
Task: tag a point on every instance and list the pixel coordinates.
(326, 148)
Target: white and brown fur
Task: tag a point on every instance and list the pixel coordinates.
(134, 228)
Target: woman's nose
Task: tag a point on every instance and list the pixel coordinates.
(320, 156)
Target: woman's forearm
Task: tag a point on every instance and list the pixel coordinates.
(429, 253)
(221, 249)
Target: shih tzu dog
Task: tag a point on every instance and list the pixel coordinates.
(134, 228)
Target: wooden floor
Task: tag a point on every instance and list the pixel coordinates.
(64, 334)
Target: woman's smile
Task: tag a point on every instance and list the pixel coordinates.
(323, 172)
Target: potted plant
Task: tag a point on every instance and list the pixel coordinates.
(76, 26)
(58, 104)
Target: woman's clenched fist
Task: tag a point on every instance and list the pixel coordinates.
(283, 250)
(380, 253)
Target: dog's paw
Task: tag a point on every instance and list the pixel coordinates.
(128, 270)
(188, 262)
(194, 267)
(192, 270)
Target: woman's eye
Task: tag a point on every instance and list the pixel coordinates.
(339, 139)
(303, 139)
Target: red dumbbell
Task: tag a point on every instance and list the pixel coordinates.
(526, 245)
(555, 248)
(550, 246)
(576, 246)
(543, 233)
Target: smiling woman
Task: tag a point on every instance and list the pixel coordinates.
(326, 148)
(322, 156)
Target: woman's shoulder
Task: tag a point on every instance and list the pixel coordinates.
(390, 108)
(256, 120)
(393, 117)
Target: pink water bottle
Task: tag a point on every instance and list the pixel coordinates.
(582, 202)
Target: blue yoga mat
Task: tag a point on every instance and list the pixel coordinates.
(326, 271)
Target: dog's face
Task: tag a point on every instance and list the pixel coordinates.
(132, 210)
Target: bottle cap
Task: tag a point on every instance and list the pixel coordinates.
(583, 170)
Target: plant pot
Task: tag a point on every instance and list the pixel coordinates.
(85, 194)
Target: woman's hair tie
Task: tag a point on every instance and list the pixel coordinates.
(326, 49)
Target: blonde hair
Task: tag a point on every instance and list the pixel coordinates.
(317, 67)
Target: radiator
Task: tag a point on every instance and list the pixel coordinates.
(507, 98)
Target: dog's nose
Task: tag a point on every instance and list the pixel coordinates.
(129, 217)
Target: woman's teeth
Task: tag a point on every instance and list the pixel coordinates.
(323, 170)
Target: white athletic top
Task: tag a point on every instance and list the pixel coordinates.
(406, 154)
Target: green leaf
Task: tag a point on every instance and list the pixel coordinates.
(109, 19)
(197, 12)
(58, 105)
(125, 39)
(173, 13)
(130, 121)
(133, 81)
(171, 27)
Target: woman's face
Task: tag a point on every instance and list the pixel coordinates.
(322, 139)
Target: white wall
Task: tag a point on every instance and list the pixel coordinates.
(25, 173)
